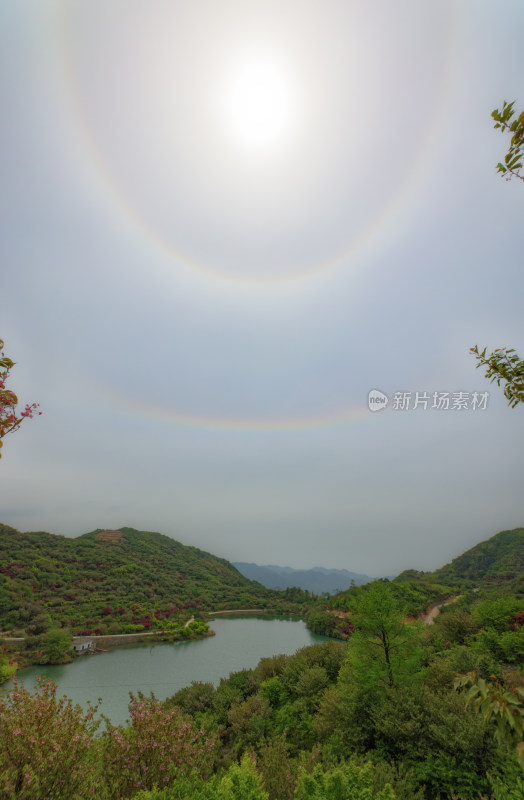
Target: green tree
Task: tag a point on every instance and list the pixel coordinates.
(193, 699)
(503, 364)
(507, 122)
(382, 654)
(455, 626)
(495, 704)
(382, 636)
(57, 646)
(7, 670)
(341, 783)
(278, 768)
(240, 782)
(249, 720)
(197, 627)
(497, 613)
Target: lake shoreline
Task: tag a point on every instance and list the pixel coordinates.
(104, 643)
(164, 668)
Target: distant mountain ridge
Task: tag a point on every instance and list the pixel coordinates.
(317, 580)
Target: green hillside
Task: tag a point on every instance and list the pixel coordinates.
(114, 581)
(491, 568)
(495, 560)
(497, 563)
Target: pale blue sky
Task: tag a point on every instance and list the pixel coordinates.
(202, 282)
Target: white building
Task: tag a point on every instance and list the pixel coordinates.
(82, 645)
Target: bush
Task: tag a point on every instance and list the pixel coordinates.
(455, 626)
(497, 613)
(507, 646)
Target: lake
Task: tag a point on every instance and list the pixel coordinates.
(240, 642)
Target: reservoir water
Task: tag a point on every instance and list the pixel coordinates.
(240, 642)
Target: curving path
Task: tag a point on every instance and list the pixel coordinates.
(429, 616)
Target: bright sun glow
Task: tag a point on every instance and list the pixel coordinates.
(259, 103)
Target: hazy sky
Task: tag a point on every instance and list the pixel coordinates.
(223, 224)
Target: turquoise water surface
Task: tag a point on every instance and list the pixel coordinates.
(240, 642)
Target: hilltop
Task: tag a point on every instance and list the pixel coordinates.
(113, 581)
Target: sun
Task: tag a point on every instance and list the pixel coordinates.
(259, 101)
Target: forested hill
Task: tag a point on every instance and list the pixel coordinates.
(496, 562)
(492, 567)
(114, 581)
(500, 558)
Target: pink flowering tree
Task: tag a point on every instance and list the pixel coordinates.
(9, 421)
(160, 744)
(45, 745)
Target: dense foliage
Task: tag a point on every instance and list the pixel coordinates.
(375, 717)
(372, 718)
(125, 581)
